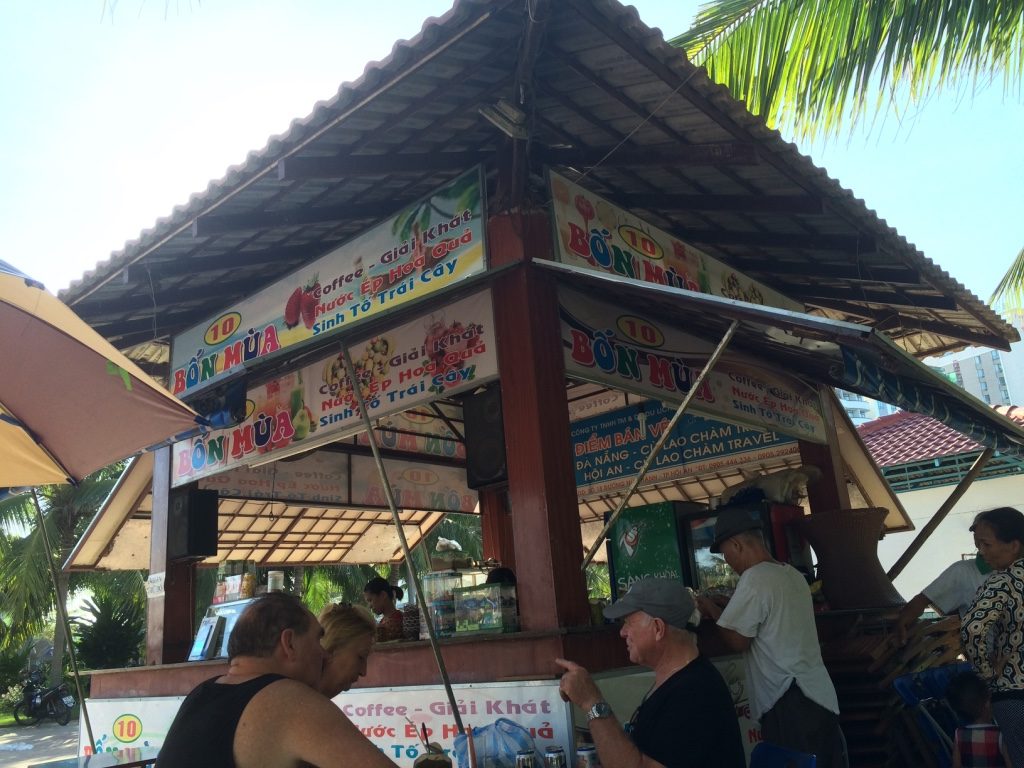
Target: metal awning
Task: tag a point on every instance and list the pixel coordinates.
(823, 351)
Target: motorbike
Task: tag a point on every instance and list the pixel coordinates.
(38, 702)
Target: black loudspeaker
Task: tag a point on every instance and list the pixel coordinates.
(191, 523)
(485, 438)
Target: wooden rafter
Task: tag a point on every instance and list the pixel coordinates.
(717, 154)
(813, 242)
(418, 164)
(213, 224)
(802, 204)
(347, 166)
(888, 274)
(892, 322)
(811, 293)
(942, 329)
(243, 257)
(128, 333)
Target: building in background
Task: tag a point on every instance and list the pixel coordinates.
(862, 409)
(993, 376)
(983, 373)
(924, 460)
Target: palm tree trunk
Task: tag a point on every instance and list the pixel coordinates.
(60, 639)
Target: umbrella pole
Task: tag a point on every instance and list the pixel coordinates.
(63, 614)
(357, 393)
(661, 441)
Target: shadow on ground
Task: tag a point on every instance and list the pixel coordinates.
(22, 746)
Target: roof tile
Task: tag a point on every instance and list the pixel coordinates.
(905, 437)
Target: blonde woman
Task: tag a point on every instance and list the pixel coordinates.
(349, 634)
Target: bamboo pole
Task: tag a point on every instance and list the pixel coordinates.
(393, 506)
(940, 513)
(62, 613)
(661, 441)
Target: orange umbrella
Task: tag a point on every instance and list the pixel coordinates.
(69, 402)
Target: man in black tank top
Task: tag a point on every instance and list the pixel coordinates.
(266, 710)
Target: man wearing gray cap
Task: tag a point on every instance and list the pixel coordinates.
(770, 619)
(687, 717)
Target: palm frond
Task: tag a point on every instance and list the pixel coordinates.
(17, 512)
(28, 595)
(113, 633)
(1011, 287)
(816, 67)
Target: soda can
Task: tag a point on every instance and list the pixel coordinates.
(586, 756)
(554, 757)
(524, 759)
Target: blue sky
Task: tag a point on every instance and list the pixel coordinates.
(110, 120)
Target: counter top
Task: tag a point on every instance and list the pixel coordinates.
(470, 659)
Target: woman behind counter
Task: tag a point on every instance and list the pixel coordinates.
(996, 621)
(349, 633)
(381, 597)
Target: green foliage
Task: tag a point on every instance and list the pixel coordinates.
(206, 585)
(598, 582)
(10, 696)
(1011, 287)
(115, 634)
(28, 598)
(34, 583)
(464, 195)
(322, 584)
(813, 67)
(464, 529)
(13, 663)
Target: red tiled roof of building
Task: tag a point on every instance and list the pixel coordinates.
(905, 437)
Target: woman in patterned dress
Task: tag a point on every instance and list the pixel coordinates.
(993, 629)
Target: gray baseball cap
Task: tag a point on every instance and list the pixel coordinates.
(665, 599)
(733, 519)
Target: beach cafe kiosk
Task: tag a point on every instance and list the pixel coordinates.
(517, 242)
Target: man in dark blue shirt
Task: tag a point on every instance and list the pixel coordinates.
(687, 718)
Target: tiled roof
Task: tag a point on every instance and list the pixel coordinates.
(905, 437)
(607, 95)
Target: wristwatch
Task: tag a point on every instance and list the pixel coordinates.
(600, 709)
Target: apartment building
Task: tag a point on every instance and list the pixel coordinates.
(862, 409)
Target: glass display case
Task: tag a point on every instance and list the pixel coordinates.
(220, 620)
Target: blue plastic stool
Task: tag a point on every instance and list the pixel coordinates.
(924, 693)
(767, 755)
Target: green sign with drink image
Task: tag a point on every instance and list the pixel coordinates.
(644, 543)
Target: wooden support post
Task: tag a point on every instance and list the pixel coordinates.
(496, 526)
(830, 492)
(542, 490)
(170, 623)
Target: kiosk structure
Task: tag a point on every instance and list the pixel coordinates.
(529, 231)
